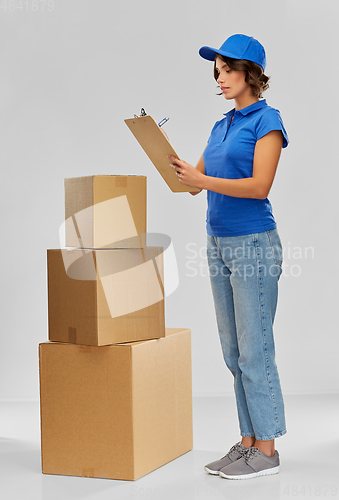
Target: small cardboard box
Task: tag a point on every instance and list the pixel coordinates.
(105, 296)
(118, 411)
(105, 211)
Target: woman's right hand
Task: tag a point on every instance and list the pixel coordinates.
(201, 167)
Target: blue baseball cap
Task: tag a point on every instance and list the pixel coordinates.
(238, 47)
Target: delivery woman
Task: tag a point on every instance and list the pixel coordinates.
(244, 250)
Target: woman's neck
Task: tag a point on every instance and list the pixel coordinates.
(244, 101)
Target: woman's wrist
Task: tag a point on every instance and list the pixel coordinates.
(203, 182)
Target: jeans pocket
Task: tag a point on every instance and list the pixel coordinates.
(276, 246)
(212, 252)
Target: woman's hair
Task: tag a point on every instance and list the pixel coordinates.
(255, 76)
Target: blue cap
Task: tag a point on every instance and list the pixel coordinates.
(238, 47)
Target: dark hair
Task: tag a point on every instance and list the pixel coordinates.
(255, 76)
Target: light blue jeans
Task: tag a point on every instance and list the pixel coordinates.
(244, 273)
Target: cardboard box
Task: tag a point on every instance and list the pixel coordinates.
(105, 296)
(118, 411)
(105, 211)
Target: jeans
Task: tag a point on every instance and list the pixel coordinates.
(244, 273)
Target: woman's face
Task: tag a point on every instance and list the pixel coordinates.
(232, 83)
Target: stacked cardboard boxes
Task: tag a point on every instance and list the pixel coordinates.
(115, 384)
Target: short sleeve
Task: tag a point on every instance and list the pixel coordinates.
(271, 120)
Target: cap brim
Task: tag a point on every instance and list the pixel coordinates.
(209, 53)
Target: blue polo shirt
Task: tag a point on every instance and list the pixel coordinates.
(229, 154)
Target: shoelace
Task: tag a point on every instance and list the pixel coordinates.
(236, 447)
(251, 453)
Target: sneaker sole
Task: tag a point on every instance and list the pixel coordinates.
(265, 472)
(211, 471)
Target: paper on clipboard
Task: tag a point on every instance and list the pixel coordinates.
(147, 132)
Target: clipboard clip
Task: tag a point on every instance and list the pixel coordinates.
(142, 113)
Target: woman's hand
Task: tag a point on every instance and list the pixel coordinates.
(186, 173)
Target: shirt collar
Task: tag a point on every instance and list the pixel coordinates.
(245, 111)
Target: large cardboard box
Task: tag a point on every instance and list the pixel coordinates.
(118, 411)
(105, 296)
(105, 211)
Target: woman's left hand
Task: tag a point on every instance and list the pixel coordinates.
(186, 173)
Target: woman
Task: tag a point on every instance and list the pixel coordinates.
(244, 250)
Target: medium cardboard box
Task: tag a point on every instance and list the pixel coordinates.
(105, 211)
(105, 296)
(118, 411)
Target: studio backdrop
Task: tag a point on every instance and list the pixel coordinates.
(71, 72)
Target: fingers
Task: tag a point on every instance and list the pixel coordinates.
(179, 171)
(176, 161)
(178, 165)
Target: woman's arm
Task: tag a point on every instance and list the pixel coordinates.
(266, 157)
(201, 167)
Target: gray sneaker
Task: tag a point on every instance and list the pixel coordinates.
(252, 464)
(236, 452)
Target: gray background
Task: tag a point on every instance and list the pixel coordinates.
(68, 79)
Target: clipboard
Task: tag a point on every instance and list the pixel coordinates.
(147, 132)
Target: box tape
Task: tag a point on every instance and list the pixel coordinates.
(88, 472)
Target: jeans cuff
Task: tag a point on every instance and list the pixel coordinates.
(246, 434)
(272, 436)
